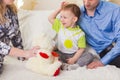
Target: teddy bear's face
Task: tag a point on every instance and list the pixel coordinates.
(45, 56)
(46, 61)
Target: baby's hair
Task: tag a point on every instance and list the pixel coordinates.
(73, 8)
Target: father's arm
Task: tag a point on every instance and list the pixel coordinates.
(115, 51)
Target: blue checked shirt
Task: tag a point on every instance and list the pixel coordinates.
(103, 29)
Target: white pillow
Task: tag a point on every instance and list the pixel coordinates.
(33, 24)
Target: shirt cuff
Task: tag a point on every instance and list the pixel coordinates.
(105, 60)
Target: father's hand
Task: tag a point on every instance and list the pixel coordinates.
(95, 64)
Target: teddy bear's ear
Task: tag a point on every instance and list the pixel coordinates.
(44, 55)
(55, 54)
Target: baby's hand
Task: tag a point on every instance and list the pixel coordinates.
(63, 4)
(71, 61)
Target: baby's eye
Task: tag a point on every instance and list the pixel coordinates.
(61, 16)
(64, 17)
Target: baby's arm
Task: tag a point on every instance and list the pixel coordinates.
(76, 56)
(52, 16)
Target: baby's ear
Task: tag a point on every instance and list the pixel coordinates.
(75, 19)
(55, 54)
(44, 55)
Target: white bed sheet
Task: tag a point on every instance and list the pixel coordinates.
(15, 70)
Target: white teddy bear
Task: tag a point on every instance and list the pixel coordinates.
(46, 62)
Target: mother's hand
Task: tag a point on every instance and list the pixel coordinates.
(32, 52)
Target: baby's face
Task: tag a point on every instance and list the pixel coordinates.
(68, 19)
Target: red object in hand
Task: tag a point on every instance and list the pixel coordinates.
(44, 55)
(55, 54)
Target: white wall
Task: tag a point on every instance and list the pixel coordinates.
(44, 4)
(53, 4)
(47, 4)
(50, 4)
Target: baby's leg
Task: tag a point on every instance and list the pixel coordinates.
(63, 56)
(85, 59)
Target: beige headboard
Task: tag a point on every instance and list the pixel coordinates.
(115, 1)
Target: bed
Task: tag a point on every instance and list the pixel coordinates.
(32, 24)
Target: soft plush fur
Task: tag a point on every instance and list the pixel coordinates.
(46, 62)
